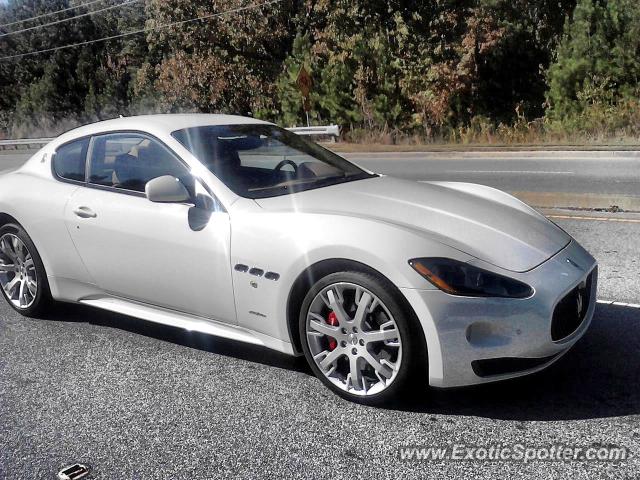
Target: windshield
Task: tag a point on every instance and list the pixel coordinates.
(258, 161)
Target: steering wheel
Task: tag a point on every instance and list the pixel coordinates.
(279, 166)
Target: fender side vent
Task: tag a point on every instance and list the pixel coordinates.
(272, 276)
(258, 272)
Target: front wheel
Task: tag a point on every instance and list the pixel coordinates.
(358, 338)
(23, 280)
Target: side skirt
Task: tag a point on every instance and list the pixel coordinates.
(187, 322)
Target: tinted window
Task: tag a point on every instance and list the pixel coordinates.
(129, 161)
(258, 161)
(69, 160)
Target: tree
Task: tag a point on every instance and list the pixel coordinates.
(598, 61)
(76, 84)
(426, 66)
(225, 63)
(399, 67)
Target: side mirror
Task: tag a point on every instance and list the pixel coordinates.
(167, 189)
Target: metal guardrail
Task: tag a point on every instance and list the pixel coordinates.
(17, 143)
(328, 130)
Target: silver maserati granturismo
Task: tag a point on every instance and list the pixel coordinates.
(235, 227)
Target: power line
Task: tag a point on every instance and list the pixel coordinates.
(63, 20)
(142, 30)
(48, 14)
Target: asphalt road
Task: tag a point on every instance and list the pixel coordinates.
(569, 172)
(9, 161)
(139, 401)
(613, 173)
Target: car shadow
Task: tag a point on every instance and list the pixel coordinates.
(190, 339)
(598, 378)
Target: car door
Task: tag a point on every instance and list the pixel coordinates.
(154, 253)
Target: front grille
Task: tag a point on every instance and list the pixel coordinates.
(572, 309)
(500, 366)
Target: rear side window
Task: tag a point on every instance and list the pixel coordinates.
(69, 161)
(128, 161)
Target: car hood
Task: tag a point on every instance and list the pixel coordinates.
(480, 221)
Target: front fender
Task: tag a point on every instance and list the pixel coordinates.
(289, 243)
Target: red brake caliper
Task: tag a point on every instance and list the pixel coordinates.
(332, 320)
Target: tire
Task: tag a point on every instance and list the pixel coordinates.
(29, 305)
(353, 348)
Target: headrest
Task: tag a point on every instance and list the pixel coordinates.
(126, 167)
(151, 153)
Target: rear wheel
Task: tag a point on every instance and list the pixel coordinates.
(358, 338)
(23, 280)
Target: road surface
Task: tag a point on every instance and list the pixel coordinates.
(570, 172)
(585, 173)
(142, 401)
(136, 400)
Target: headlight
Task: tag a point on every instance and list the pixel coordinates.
(459, 278)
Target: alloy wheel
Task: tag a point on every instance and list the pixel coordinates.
(18, 276)
(353, 339)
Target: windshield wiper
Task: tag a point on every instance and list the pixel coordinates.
(312, 183)
(294, 183)
(343, 178)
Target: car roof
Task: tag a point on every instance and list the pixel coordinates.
(162, 124)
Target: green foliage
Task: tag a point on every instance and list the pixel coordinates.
(50, 91)
(594, 82)
(464, 70)
(425, 67)
(288, 94)
(224, 64)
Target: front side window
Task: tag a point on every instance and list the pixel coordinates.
(258, 161)
(69, 161)
(128, 161)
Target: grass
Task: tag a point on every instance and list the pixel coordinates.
(348, 147)
(597, 128)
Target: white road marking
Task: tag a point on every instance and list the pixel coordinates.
(599, 219)
(527, 172)
(619, 304)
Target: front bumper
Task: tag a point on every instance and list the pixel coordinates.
(474, 340)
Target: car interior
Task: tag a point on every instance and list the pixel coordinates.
(249, 163)
(129, 162)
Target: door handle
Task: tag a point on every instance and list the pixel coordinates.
(84, 212)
